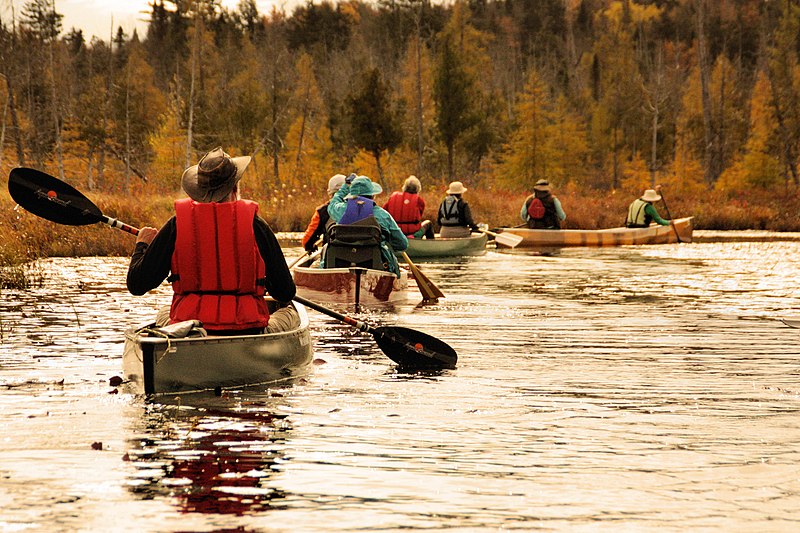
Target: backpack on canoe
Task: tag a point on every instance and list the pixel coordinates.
(536, 209)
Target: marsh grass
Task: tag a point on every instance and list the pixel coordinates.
(24, 238)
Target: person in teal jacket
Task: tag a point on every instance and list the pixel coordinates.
(357, 190)
(642, 211)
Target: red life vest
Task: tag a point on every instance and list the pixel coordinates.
(217, 271)
(405, 210)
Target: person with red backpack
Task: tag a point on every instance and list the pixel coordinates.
(407, 208)
(542, 210)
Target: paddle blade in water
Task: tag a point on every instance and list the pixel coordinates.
(412, 349)
(50, 198)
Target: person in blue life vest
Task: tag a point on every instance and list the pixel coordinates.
(319, 220)
(353, 203)
(642, 212)
(407, 208)
(454, 216)
(542, 210)
(219, 255)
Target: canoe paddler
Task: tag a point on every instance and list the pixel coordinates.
(642, 212)
(219, 255)
(354, 204)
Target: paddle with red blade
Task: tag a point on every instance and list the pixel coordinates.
(50, 198)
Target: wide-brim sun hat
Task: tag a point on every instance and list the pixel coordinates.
(363, 186)
(542, 185)
(456, 187)
(651, 195)
(213, 178)
(412, 185)
(335, 183)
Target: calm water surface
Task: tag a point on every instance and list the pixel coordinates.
(626, 389)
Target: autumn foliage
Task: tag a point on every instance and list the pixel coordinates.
(602, 97)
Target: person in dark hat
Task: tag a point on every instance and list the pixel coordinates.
(642, 212)
(219, 255)
(542, 210)
(354, 203)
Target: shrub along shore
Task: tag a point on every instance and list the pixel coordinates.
(25, 238)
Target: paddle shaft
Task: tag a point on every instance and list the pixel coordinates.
(362, 326)
(671, 223)
(114, 223)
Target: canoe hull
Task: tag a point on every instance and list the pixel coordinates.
(155, 365)
(655, 234)
(357, 286)
(439, 247)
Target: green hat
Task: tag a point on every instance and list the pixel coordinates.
(363, 186)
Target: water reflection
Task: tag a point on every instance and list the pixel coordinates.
(212, 455)
(640, 388)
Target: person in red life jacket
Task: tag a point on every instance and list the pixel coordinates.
(454, 217)
(407, 207)
(642, 212)
(542, 210)
(219, 255)
(319, 220)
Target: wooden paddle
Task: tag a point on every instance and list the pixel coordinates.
(671, 222)
(409, 348)
(510, 240)
(308, 255)
(427, 288)
(50, 198)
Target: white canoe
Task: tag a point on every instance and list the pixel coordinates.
(154, 364)
(475, 244)
(353, 285)
(655, 234)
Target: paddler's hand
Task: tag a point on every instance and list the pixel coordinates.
(146, 235)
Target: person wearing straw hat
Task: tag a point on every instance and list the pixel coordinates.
(642, 212)
(407, 208)
(353, 203)
(542, 210)
(319, 220)
(219, 255)
(454, 216)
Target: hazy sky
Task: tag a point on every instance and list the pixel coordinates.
(94, 17)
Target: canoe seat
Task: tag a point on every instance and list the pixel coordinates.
(352, 245)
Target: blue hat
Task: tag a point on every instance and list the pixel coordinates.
(363, 186)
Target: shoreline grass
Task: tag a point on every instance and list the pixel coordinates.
(25, 238)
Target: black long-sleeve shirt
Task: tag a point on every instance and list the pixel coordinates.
(150, 265)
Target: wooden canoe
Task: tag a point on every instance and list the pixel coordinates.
(154, 364)
(655, 234)
(352, 285)
(475, 244)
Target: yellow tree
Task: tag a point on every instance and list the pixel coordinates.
(528, 154)
(569, 145)
(760, 168)
(309, 148)
(168, 145)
